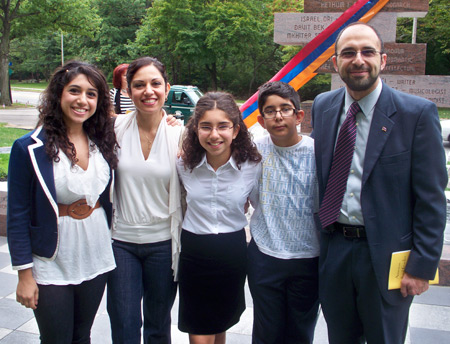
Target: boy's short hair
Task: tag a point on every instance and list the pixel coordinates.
(280, 89)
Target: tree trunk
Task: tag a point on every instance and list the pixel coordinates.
(212, 70)
(5, 97)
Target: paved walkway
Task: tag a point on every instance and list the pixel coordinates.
(429, 319)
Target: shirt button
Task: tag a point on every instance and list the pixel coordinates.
(351, 194)
(352, 171)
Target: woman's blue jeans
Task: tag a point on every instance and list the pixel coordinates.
(143, 272)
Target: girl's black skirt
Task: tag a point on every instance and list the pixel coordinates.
(211, 281)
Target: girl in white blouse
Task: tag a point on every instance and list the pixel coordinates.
(219, 169)
(59, 209)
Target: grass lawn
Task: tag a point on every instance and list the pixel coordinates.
(4, 161)
(34, 86)
(28, 86)
(7, 137)
(444, 113)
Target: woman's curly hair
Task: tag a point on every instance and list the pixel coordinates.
(99, 127)
(242, 147)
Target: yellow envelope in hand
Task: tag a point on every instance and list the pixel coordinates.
(397, 269)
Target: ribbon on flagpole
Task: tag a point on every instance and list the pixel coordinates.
(301, 68)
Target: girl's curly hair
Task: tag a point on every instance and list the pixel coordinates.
(242, 147)
(99, 127)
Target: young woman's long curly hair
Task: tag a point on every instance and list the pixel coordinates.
(242, 147)
(99, 127)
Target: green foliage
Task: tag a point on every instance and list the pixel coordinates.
(319, 84)
(287, 6)
(119, 22)
(214, 44)
(38, 16)
(24, 19)
(36, 56)
(434, 30)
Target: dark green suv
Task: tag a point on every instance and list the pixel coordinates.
(182, 100)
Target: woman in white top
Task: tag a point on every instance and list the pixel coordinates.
(219, 169)
(148, 215)
(119, 94)
(59, 209)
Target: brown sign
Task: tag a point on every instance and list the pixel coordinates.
(404, 8)
(432, 87)
(402, 59)
(305, 126)
(301, 28)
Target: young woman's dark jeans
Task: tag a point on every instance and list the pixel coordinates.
(65, 314)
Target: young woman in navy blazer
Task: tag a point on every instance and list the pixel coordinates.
(59, 209)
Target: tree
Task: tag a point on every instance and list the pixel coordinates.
(434, 30)
(172, 32)
(224, 42)
(119, 22)
(22, 17)
(37, 55)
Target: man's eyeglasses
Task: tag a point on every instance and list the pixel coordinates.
(351, 54)
(206, 129)
(284, 112)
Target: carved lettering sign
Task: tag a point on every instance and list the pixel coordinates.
(301, 28)
(432, 87)
(405, 8)
(402, 59)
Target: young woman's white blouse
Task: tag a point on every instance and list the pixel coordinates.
(216, 199)
(84, 248)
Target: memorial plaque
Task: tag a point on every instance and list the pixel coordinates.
(301, 28)
(432, 87)
(402, 59)
(404, 8)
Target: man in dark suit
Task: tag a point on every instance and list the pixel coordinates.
(392, 194)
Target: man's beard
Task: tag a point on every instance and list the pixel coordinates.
(359, 84)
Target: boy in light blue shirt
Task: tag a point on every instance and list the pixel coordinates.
(283, 253)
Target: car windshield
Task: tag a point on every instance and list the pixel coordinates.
(195, 95)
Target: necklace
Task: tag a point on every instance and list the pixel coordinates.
(149, 142)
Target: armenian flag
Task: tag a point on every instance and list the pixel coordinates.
(300, 69)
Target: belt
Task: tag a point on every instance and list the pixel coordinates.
(78, 210)
(349, 231)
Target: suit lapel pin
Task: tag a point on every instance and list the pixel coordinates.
(384, 129)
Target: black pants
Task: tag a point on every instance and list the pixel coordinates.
(65, 314)
(285, 297)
